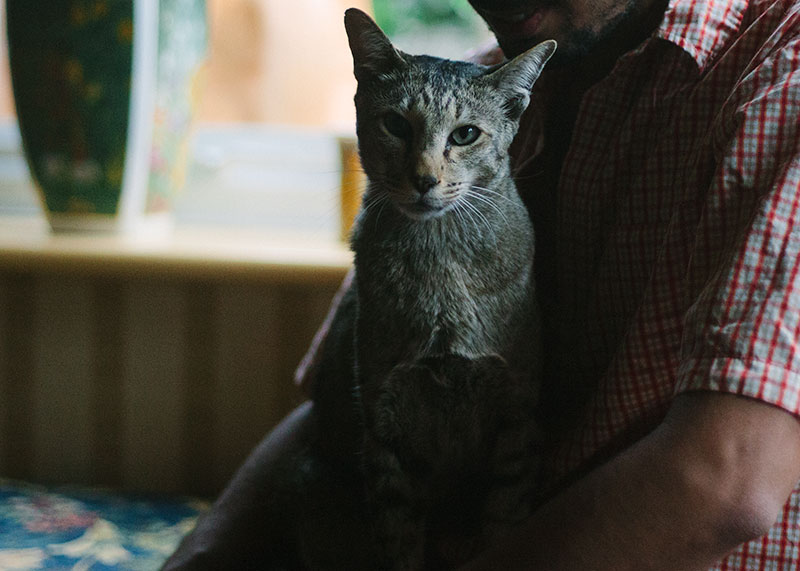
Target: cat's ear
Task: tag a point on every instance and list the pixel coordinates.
(515, 78)
(373, 53)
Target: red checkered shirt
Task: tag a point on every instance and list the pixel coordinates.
(677, 230)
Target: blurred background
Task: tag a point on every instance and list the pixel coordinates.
(142, 366)
(270, 61)
(276, 94)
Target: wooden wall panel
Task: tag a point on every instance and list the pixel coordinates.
(145, 384)
(18, 371)
(250, 395)
(62, 408)
(200, 375)
(154, 403)
(262, 336)
(109, 336)
(4, 371)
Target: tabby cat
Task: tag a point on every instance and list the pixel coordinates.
(446, 330)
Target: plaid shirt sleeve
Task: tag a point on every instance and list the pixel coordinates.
(742, 329)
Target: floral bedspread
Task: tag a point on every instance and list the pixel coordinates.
(84, 529)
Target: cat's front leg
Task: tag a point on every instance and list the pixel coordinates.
(514, 467)
(396, 504)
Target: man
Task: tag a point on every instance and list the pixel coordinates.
(661, 163)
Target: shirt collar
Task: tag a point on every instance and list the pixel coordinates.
(700, 27)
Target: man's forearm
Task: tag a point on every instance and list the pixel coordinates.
(682, 498)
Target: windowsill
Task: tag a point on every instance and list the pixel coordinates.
(197, 252)
(261, 203)
(272, 178)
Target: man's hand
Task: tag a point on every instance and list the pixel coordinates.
(716, 473)
(308, 369)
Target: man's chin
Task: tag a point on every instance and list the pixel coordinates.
(569, 51)
(512, 48)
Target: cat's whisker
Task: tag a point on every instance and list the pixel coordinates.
(530, 176)
(465, 213)
(488, 201)
(480, 215)
(522, 165)
(380, 211)
(373, 200)
(465, 189)
(495, 193)
(459, 214)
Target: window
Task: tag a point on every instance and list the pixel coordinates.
(444, 28)
(276, 102)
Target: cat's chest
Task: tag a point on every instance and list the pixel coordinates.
(420, 286)
(418, 294)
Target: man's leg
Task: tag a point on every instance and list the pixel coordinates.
(246, 527)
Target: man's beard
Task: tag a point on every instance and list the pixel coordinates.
(579, 42)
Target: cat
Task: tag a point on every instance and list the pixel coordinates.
(446, 325)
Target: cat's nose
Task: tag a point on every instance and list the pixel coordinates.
(424, 182)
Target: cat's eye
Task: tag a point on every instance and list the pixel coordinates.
(465, 135)
(397, 125)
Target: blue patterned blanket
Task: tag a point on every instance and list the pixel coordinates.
(84, 529)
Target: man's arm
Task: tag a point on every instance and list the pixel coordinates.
(714, 474)
(240, 532)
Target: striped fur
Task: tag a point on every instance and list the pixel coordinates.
(447, 330)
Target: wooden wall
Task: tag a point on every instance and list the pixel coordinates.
(146, 383)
